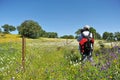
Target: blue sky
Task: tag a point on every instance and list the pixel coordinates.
(63, 16)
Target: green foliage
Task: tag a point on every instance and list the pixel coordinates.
(30, 29)
(46, 60)
(52, 34)
(97, 36)
(8, 28)
(109, 36)
(92, 30)
(72, 56)
(0, 30)
(43, 33)
(106, 35)
(117, 35)
(67, 37)
(78, 32)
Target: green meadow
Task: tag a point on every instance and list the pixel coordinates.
(57, 59)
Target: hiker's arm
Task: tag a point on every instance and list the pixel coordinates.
(79, 38)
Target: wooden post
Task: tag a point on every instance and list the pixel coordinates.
(23, 53)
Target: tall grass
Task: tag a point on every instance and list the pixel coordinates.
(55, 59)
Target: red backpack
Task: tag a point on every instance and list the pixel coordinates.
(85, 44)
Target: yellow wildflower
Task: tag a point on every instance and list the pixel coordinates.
(110, 77)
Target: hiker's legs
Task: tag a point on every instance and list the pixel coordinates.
(90, 57)
(83, 57)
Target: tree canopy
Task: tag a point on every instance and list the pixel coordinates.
(0, 30)
(52, 34)
(67, 37)
(117, 35)
(111, 36)
(32, 29)
(8, 28)
(29, 28)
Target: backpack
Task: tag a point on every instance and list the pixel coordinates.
(86, 45)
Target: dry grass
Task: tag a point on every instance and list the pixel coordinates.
(48, 41)
(9, 38)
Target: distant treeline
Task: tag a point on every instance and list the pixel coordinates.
(32, 29)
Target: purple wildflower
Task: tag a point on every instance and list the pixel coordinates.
(108, 64)
(115, 47)
(103, 68)
(96, 54)
(114, 56)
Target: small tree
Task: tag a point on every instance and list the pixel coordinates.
(29, 28)
(0, 30)
(117, 35)
(8, 28)
(108, 36)
(67, 37)
(52, 34)
(78, 32)
(97, 36)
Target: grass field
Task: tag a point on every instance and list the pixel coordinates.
(56, 59)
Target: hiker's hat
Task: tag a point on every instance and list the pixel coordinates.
(86, 27)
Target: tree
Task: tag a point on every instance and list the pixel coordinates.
(0, 30)
(52, 34)
(105, 35)
(43, 33)
(108, 36)
(111, 36)
(97, 35)
(67, 37)
(29, 28)
(8, 28)
(78, 32)
(117, 35)
(93, 31)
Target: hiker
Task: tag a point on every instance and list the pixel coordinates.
(86, 42)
